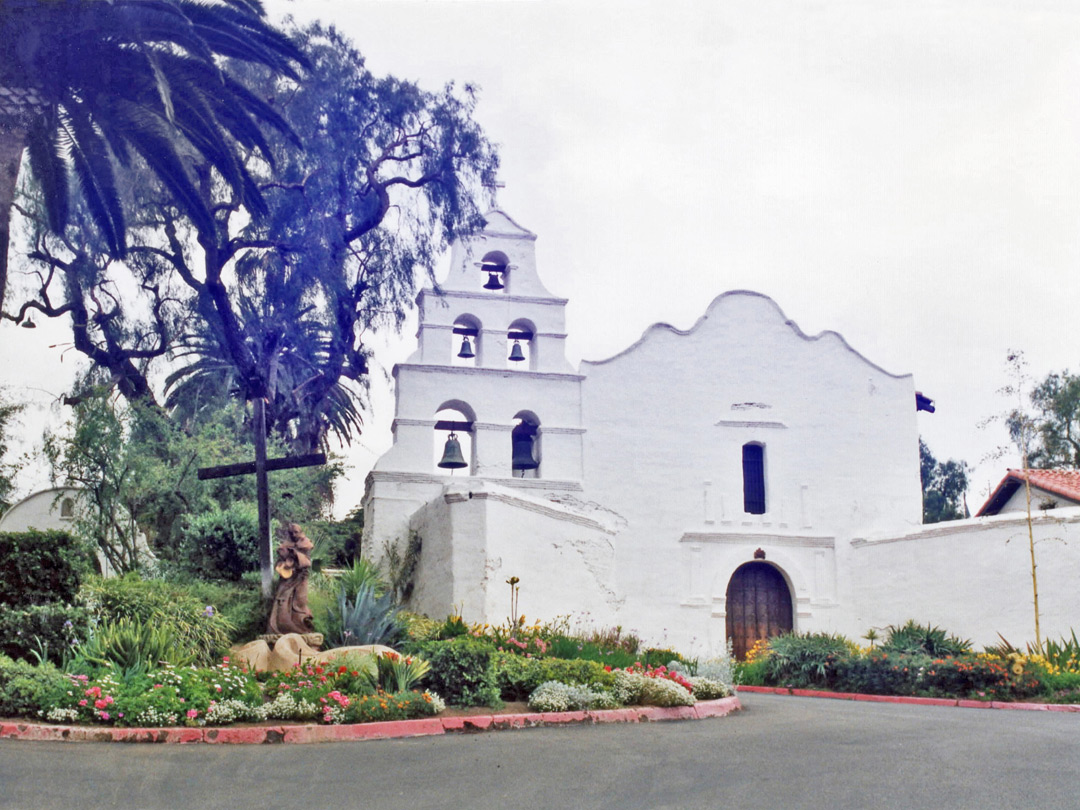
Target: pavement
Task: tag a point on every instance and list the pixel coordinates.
(778, 752)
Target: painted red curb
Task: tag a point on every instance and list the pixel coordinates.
(911, 701)
(311, 733)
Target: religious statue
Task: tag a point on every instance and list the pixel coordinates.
(291, 613)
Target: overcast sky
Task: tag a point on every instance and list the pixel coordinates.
(903, 173)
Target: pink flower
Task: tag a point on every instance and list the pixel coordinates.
(104, 715)
(192, 713)
(82, 702)
(100, 704)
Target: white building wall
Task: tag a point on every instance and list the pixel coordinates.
(973, 577)
(666, 421)
(42, 511)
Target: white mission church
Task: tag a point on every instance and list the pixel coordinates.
(727, 482)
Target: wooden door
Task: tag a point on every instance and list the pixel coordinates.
(758, 606)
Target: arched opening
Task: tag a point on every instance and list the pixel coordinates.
(753, 465)
(454, 450)
(521, 340)
(494, 268)
(67, 508)
(525, 446)
(758, 606)
(465, 345)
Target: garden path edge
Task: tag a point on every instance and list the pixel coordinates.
(912, 701)
(313, 733)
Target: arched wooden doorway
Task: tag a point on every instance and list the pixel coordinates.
(758, 606)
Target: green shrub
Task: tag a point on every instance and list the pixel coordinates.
(912, 638)
(223, 544)
(517, 677)
(48, 631)
(462, 671)
(26, 689)
(240, 604)
(198, 627)
(751, 673)
(571, 648)
(1062, 687)
(131, 644)
(880, 672)
(805, 660)
(50, 567)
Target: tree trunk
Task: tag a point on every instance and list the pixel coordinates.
(12, 141)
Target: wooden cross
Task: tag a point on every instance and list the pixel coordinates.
(260, 467)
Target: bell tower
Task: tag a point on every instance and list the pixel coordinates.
(488, 395)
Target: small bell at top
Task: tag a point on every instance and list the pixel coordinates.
(493, 281)
(516, 354)
(452, 459)
(466, 349)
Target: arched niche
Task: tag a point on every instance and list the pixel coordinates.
(525, 450)
(521, 345)
(454, 420)
(495, 272)
(465, 348)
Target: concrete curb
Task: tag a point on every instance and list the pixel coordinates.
(311, 733)
(913, 701)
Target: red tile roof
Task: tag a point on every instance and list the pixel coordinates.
(1065, 483)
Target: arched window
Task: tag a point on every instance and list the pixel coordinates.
(521, 343)
(495, 270)
(525, 446)
(453, 443)
(465, 345)
(67, 508)
(753, 472)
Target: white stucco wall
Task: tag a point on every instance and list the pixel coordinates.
(973, 577)
(41, 510)
(666, 422)
(478, 535)
(1018, 501)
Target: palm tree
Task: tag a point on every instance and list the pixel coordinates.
(86, 84)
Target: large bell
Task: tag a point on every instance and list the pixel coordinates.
(451, 456)
(493, 281)
(522, 455)
(516, 354)
(466, 348)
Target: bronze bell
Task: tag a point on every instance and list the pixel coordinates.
(466, 348)
(522, 455)
(516, 354)
(493, 281)
(451, 457)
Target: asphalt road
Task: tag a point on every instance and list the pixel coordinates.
(780, 752)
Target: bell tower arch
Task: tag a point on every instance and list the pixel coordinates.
(493, 336)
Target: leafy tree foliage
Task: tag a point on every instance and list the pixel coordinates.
(943, 486)
(9, 412)
(101, 82)
(136, 470)
(1056, 422)
(277, 308)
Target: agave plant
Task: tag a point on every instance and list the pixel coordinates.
(368, 618)
(913, 638)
